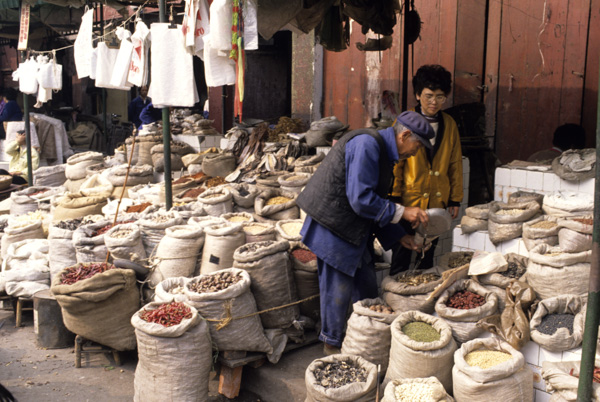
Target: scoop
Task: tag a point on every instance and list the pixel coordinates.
(440, 222)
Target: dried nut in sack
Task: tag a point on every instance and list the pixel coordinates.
(552, 322)
(292, 229)
(177, 290)
(335, 375)
(420, 331)
(486, 358)
(278, 200)
(71, 224)
(585, 221)
(514, 271)
(106, 228)
(303, 256)
(414, 392)
(465, 300)
(214, 283)
(544, 225)
(381, 308)
(417, 279)
(461, 260)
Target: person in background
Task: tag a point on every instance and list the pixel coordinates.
(137, 105)
(150, 114)
(17, 150)
(346, 206)
(11, 110)
(2, 101)
(433, 178)
(567, 136)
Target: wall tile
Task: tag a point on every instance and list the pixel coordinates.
(531, 352)
(535, 180)
(498, 192)
(488, 245)
(518, 178)
(547, 356)
(541, 396)
(502, 177)
(507, 192)
(510, 246)
(458, 239)
(477, 240)
(587, 186)
(569, 186)
(538, 381)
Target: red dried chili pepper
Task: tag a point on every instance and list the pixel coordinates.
(167, 314)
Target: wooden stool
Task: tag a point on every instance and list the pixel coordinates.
(79, 344)
(21, 301)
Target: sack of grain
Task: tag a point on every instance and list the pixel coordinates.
(541, 230)
(77, 205)
(519, 197)
(125, 242)
(293, 182)
(15, 233)
(24, 201)
(187, 211)
(153, 226)
(272, 283)
(479, 211)
(429, 389)
(216, 201)
(88, 241)
(276, 205)
(61, 253)
(238, 217)
(171, 289)
(517, 267)
(50, 176)
(410, 292)
(205, 221)
(175, 361)
(470, 225)
(562, 338)
(569, 271)
(289, 230)
(507, 380)
(411, 358)
(269, 180)
(455, 259)
(506, 220)
(243, 194)
(256, 231)
(143, 145)
(96, 186)
(357, 391)
(25, 268)
(234, 300)
(306, 277)
(568, 204)
(178, 149)
(141, 174)
(218, 164)
(76, 164)
(583, 224)
(464, 321)
(219, 246)
(368, 332)
(562, 380)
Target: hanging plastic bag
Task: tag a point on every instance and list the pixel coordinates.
(50, 75)
(123, 60)
(105, 65)
(27, 77)
(138, 70)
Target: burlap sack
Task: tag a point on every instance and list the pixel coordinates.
(100, 308)
(76, 164)
(216, 201)
(236, 301)
(568, 204)
(287, 210)
(403, 297)
(519, 197)
(73, 186)
(238, 217)
(480, 211)
(572, 241)
(508, 381)
(412, 359)
(73, 206)
(306, 278)
(61, 251)
(141, 174)
(171, 289)
(464, 322)
(289, 230)
(173, 362)
(293, 182)
(21, 202)
(14, 234)
(243, 194)
(272, 283)
(438, 393)
(499, 280)
(268, 180)
(583, 224)
(256, 231)
(205, 221)
(357, 392)
(153, 226)
(562, 380)
(218, 164)
(368, 333)
(51, 176)
(575, 164)
(96, 186)
(506, 227)
(143, 144)
(562, 338)
(89, 246)
(125, 242)
(220, 243)
(470, 225)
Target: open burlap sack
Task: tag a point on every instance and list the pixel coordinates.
(220, 243)
(582, 224)
(171, 289)
(562, 339)
(438, 393)
(141, 174)
(480, 211)
(562, 380)
(243, 194)
(257, 231)
(218, 164)
(519, 197)
(286, 210)
(294, 182)
(125, 242)
(306, 278)
(470, 225)
(403, 297)
(501, 281)
(216, 201)
(76, 164)
(503, 226)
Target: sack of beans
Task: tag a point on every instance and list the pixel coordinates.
(368, 332)
(541, 230)
(222, 298)
(238, 217)
(516, 268)
(50, 176)
(256, 231)
(306, 277)
(568, 204)
(294, 182)
(16, 232)
(272, 283)
(143, 145)
(276, 205)
(422, 346)
(110, 209)
(125, 242)
(77, 205)
(220, 243)
(26, 200)
(340, 378)
(558, 322)
(409, 291)
(562, 380)
(416, 389)
(569, 272)
(463, 304)
(519, 197)
(491, 370)
(88, 241)
(216, 201)
(97, 302)
(177, 253)
(61, 252)
(218, 164)
(289, 230)
(171, 289)
(76, 164)
(506, 220)
(141, 174)
(174, 353)
(243, 194)
(153, 226)
(475, 218)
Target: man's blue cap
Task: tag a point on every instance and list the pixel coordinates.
(418, 125)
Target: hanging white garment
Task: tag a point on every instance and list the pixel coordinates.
(202, 27)
(221, 15)
(105, 64)
(250, 25)
(188, 25)
(172, 82)
(43, 96)
(83, 45)
(123, 61)
(27, 75)
(94, 63)
(218, 69)
(138, 70)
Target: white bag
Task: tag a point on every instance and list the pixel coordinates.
(83, 45)
(105, 65)
(129, 247)
(220, 244)
(138, 71)
(50, 75)
(61, 252)
(123, 60)
(27, 74)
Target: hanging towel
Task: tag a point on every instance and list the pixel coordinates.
(123, 61)
(221, 15)
(83, 45)
(138, 70)
(188, 25)
(172, 82)
(27, 75)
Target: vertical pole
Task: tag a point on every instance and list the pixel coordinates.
(27, 134)
(103, 90)
(592, 318)
(405, 58)
(166, 130)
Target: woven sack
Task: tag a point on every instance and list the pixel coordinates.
(220, 243)
(61, 251)
(243, 194)
(51, 176)
(129, 247)
(562, 380)
(256, 231)
(141, 174)
(15, 234)
(165, 291)
(402, 297)
(287, 210)
(76, 164)
(73, 206)
(562, 339)
(216, 201)
(438, 393)
(218, 164)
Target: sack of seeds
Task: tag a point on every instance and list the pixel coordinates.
(463, 304)
(340, 378)
(306, 277)
(173, 359)
(572, 241)
(171, 289)
(125, 242)
(269, 266)
(569, 271)
(220, 243)
(226, 294)
(238, 217)
(153, 226)
(216, 201)
(406, 292)
(480, 211)
(289, 230)
(422, 346)
(455, 259)
(368, 332)
(277, 205)
(419, 389)
(517, 267)
(541, 230)
(293, 182)
(557, 323)
(583, 224)
(76, 164)
(491, 370)
(89, 243)
(256, 231)
(243, 194)
(519, 197)
(562, 380)
(506, 220)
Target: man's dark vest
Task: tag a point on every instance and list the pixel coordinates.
(324, 197)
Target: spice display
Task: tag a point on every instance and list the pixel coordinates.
(303, 255)
(415, 279)
(79, 272)
(177, 290)
(238, 218)
(595, 375)
(278, 200)
(381, 308)
(214, 182)
(214, 283)
(39, 192)
(104, 229)
(465, 300)
(420, 331)
(167, 314)
(512, 212)
(255, 229)
(514, 271)
(460, 260)
(335, 375)
(120, 234)
(138, 208)
(292, 229)
(414, 392)
(552, 322)
(161, 218)
(486, 358)
(585, 221)
(193, 192)
(183, 180)
(23, 220)
(544, 225)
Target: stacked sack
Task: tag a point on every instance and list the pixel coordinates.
(505, 221)
(475, 218)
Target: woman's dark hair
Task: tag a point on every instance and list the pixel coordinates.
(10, 93)
(432, 76)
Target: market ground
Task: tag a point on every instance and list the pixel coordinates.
(36, 374)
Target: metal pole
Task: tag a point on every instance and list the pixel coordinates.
(103, 90)
(592, 318)
(166, 130)
(27, 134)
(405, 59)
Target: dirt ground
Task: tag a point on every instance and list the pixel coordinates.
(32, 373)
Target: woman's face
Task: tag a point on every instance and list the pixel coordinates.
(431, 101)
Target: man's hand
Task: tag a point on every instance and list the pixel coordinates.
(453, 211)
(408, 241)
(415, 216)
(20, 139)
(15, 173)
